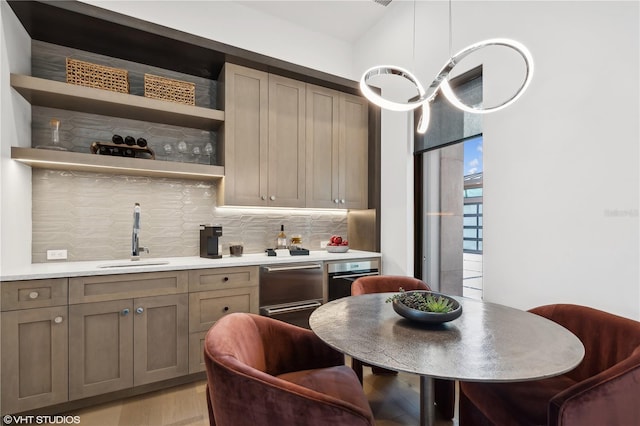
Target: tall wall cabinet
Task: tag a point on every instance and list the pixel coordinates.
(264, 139)
(292, 144)
(337, 149)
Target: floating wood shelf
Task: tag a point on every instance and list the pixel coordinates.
(55, 94)
(66, 160)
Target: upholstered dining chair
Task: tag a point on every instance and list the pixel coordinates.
(261, 371)
(444, 389)
(604, 389)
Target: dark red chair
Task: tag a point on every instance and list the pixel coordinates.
(444, 389)
(261, 371)
(604, 389)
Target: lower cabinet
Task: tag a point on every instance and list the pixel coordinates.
(34, 358)
(68, 339)
(215, 293)
(118, 344)
(206, 307)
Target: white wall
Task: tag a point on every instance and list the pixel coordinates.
(15, 119)
(561, 165)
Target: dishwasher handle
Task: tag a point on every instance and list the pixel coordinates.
(285, 310)
(291, 268)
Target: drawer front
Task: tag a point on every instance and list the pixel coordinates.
(126, 286)
(196, 352)
(206, 307)
(223, 278)
(34, 293)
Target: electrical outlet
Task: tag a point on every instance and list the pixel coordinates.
(56, 254)
(323, 244)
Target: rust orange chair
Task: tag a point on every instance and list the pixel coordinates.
(444, 389)
(604, 389)
(261, 371)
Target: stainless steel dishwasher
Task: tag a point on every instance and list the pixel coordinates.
(290, 292)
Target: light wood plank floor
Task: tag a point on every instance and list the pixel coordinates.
(393, 399)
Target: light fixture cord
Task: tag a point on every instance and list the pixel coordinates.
(450, 32)
(413, 40)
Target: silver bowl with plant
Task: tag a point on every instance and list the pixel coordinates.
(425, 306)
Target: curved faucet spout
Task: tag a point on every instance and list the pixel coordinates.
(135, 243)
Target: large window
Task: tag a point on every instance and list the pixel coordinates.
(449, 226)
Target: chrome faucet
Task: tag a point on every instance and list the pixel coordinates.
(135, 242)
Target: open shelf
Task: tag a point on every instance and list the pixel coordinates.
(55, 94)
(66, 160)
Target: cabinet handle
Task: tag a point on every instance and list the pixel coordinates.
(272, 198)
(226, 309)
(57, 320)
(139, 310)
(263, 198)
(336, 201)
(125, 312)
(225, 279)
(342, 201)
(33, 295)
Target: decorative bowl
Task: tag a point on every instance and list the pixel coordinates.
(428, 317)
(337, 249)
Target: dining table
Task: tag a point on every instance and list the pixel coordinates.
(488, 342)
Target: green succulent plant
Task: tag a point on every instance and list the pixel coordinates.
(421, 301)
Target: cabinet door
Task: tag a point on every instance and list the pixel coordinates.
(353, 153)
(323, 143)
(34, 358)
(286, 142)
(161, 331)
(246, 96)
(100, 347)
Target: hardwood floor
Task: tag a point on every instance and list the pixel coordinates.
(393, 399)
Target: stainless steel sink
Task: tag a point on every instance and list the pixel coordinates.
(131, 263)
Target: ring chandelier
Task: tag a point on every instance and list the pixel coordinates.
(441, 82)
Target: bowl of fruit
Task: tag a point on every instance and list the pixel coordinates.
(337, 244)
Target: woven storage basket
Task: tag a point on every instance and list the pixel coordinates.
(169, 90)
(84, 73)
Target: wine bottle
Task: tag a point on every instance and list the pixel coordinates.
(142, 142)
(117, 139)
(129, 140)
(281, 241)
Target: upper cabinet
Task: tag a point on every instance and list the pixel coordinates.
(337, 149)
(264, 138)
(292, 144)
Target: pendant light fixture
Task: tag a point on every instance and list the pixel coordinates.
(441, 82)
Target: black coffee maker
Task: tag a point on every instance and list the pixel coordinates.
(209, 241)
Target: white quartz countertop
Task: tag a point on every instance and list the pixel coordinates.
(62, 269)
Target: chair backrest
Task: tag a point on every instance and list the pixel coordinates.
(608, 339)
(386, 283)
(245, 356)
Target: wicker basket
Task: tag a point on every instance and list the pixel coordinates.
(169, 90)
(99, 76)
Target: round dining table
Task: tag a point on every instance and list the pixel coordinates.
(487, 343)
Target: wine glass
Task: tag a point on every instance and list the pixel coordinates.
(208, 150)
(182, 149)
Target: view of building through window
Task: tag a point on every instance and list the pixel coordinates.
(472, 233)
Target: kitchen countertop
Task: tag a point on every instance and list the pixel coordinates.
(63, 269)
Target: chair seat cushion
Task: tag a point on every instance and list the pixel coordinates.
(340, 382)
(518, 403)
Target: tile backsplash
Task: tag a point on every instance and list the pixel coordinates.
(91, 216)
